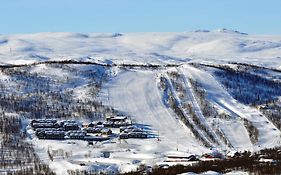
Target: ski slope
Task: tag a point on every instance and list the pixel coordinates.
(196, 107)
(137, 94)
(269, 135)
(201, 133)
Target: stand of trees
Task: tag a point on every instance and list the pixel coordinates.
(35, 95)
(250, 85)
(17, 156)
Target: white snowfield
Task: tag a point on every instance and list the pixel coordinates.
(220, 45)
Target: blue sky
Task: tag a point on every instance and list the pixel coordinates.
(250, 16)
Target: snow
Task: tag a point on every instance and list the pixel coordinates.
(220, 46)
(239, 141)
(51, 72)
(4, 77)
(135, 92)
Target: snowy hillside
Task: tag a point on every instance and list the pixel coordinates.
(201, 45)
(204, 94)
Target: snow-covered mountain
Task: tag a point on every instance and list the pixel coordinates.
(218, 45)
(193, 92)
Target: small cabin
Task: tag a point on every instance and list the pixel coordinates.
(137, 135)
(76, 135)
(43, 121)
(123, 136)
(94, 124)
(95, 138)
(93, 129)
(45, 125)
(63, 122)
(108, 124)
(76, 132)
(40, 130)
(117, 119)
(56, 135)
(106, 154)
(71, 126)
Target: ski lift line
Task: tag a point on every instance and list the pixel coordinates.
(186, 116)
(197, 109)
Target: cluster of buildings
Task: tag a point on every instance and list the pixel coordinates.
(68, 129)
(94, 131)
